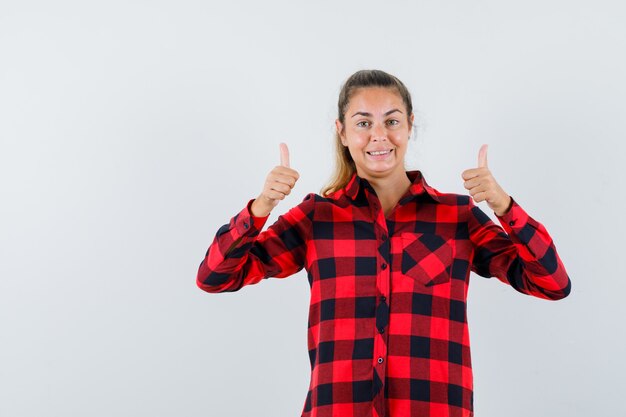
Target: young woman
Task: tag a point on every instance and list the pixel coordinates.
(388, 260)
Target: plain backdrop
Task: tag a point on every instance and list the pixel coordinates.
(130, 131)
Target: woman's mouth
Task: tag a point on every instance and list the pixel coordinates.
(376, 155)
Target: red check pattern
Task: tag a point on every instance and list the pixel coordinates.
(387, 331)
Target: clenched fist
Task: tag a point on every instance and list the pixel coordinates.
(483, 186)
(278, 185)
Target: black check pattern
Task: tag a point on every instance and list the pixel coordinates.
(387, 331)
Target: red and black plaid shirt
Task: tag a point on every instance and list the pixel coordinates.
(387, 329)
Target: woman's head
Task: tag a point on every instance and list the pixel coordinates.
(371, 78)
(375, 112)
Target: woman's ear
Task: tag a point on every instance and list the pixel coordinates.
(411, 120)
(340, 132)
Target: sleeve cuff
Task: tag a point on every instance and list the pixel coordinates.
(515, 218)
(256, 223)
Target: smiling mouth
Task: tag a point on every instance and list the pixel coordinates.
(379, 153)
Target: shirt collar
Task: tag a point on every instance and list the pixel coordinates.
(418, 186)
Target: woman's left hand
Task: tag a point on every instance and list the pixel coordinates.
(483, 186)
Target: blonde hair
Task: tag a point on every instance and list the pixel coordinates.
(344, 164)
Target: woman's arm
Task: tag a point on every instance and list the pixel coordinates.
(242, 255)
(524, 257)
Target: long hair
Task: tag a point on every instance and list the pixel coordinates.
(344, 164)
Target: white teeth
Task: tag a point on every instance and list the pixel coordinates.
(379, 152)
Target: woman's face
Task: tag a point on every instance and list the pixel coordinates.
(376, 130)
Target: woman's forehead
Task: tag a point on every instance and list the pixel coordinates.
(376, 98)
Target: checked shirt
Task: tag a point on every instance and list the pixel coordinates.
(387, 327)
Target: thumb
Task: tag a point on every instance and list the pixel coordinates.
(482, 156)
(284, 155)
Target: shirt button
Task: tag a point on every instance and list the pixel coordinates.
(384, 266)
(383, 298)
(384, 237)
(512, 222)
(381, 330)
(380, 360)
(245, 225)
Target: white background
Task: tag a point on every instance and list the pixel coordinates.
(130, 131)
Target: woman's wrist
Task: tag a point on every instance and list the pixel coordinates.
(257, 209)
(508, 207)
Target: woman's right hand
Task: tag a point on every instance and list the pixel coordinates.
(278, 185)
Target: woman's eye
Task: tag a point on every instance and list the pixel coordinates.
(393, 122)
(363, 124)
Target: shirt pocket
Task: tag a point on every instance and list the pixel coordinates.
(427, 257)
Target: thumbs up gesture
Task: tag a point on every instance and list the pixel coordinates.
(482, 185)
(278, 185)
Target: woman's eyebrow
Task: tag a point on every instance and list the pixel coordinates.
(366, 114)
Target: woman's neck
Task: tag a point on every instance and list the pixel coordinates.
(390, 189)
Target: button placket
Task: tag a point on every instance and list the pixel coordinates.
(383, 285)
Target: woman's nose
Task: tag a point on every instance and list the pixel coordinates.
(379, 133)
